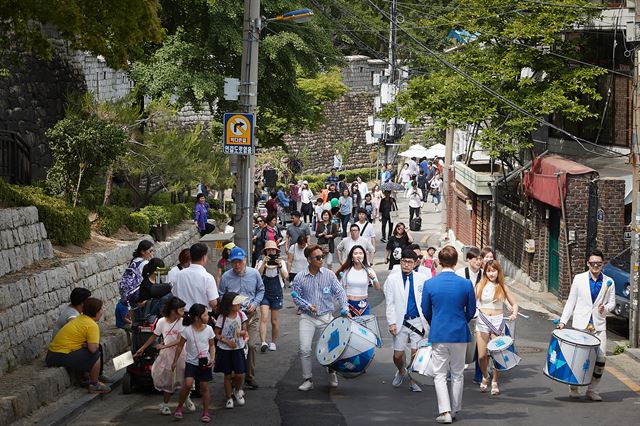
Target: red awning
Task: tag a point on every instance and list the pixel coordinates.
(541, 181)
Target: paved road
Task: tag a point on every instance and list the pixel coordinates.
(527, 396)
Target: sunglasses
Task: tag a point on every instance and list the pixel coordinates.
(595, 264)
(321, 257)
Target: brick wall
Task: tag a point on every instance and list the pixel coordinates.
(511, 231)
(461, 220)
(537, 264)
(611, 231)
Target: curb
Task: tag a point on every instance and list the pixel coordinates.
(633, 353)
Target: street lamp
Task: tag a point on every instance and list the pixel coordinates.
(248, 102)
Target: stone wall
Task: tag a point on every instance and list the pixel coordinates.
(23, 239)
(30, 303)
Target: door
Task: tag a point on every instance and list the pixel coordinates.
(554, 255)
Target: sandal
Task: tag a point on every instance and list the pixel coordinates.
(494, 388)
(205, 418)
(484, 384)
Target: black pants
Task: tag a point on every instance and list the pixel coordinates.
(414, 211)
(307, 212)
(386, 220)
(208, 228)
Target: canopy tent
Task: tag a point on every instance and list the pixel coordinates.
(416, 150)
(436, 150)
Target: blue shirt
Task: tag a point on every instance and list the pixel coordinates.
(412, 307)
(595, 287)
(200, 215)
(320, 290)
(283, 198)
(248, 284)
(121, 312)
(332, 179)
(346, 204)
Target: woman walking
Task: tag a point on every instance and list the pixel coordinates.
(387, 206)
(273, 270)
(405, 175)
(357, 200)
(436, 187)
(346, 207)
(326, 233)
(355, 277)
(397, 242)
(376, 198)
(306, 198)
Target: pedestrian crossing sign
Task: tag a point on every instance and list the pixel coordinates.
(238, 133)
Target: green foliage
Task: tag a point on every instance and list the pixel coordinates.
(111, 218)
(157, 215)
(138, 222)
(64, 224)
(162, 199)
(93, 196)
(316, 182)
(177, 213)
(344, 149)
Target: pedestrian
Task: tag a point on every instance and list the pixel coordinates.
(184, 260)
(295, 229)
(396, 244)
(487, 254)
(200, 215)
(342, 185)
(258, 239)
(332, 192)
(436, 188)
(224, 264)
(337, 161)
(405, 175)
(73, 309)
(356, 198)
(284, 205)
(419, 267)
(271, 231)
(317, 217)
(356, 277)
(413, 166)
(430, 262)
(152, 295)
(376, 198)
(76, 347)
(232, 334)
(388, 205)
(306, 199)
(129, 284)
(326, 233)
(385, 174)
(363, 187)
(294, 194)
(354, 239)
(421, 181)
(366, 228)
(194, 285)
(197, 340)
(414, 195)
(424, 165)
(320, 288)
(273, 270)
(448, 304)
(589, 302)
(296, 262)
(167, 331)
(332, 178)
(272, 204)
(246, 281)
(346, 207)
(491, 295)
(367, 205)
(403, 293)
(123, 319)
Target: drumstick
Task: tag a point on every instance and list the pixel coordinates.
(523, 315)
(609, 284)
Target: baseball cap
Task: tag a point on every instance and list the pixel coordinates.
(237, 254)
(229, 246)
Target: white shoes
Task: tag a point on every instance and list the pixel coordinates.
(444, 418)
(593, 396)
(165, 410)
(398, 379)
(239, 396)
(229, 403)
(414, 387)
(307, 385)
(333, 380)
(573, 392)
(272, 346)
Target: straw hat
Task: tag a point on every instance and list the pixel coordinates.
(269, 245)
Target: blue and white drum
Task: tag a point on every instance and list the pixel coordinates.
(421, 368)
(571, 357)
(347, 347)
(502, 352)
(370, 322)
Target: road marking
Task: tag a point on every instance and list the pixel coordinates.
(624, 379)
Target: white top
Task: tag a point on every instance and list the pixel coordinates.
(405, 175)
(299, 262)
(172, 275)
(356, 283)
(306, 196)
(319, 210)
(473, 276)
(195, 285)
(232, 326)
(272, 270)
(363, 189)
(415, 199)
(436, 184)
(487, 297)
(197, 345)
(366, 230)
(170, 331)
(67, 314)
(142, 264)
(347, 244)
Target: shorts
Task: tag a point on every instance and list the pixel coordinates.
(406, 336)
(230, 361)
(80, 361)
(359, 307)
(496, 321)
(194, 371)
(274, 302)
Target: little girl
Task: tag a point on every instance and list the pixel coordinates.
(165, 379)
(200, 348)
(232, 334)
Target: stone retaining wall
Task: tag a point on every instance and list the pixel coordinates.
(31, 303)
(23, 239)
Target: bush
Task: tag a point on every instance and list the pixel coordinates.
(178, 213)
(162, 199)
(64, 224)
(138, 222)
(157, 215)
(92, 198)
(111, 218)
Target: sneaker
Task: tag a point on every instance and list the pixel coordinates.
(264, 347)
(593, 396)
(165, 410)
(307, 385)
(105, 379)
(574, 392)
(178, 413)
(414, 387)
(272, 346)
(229, 403)
(444, 418)
(333, 380)
(398, 379)
(250, 384)
(189, 405)
(239, 396)
(99, 388)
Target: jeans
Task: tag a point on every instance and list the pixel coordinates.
(414, 211)
(449, 357)
(345, 225)
(308, 327)
(386, 220)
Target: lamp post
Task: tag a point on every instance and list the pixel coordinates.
(244, 189)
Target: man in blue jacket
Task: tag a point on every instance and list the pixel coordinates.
(448, 304)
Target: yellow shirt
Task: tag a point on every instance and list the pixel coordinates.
(76, 333)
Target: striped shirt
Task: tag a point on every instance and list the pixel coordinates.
(319, 290)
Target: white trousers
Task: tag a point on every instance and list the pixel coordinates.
(308, 327)
(445, 358)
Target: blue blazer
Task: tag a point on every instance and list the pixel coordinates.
(448, 304)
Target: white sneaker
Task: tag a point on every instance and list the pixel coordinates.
(165, 410)
(229, 404)
(239, 396)
(333, 380)
(306, 386)
(189, 405)
(444, 418)
(414, 387)
(398, 379)
(574, 392)
(272, 346)
(593, 396)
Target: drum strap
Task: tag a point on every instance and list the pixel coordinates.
(412, 328)
(496, 331)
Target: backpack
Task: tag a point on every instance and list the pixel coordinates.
(130, 283)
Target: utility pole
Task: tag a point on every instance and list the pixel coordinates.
(635, 219)
(448, 157)
(244, 189)
(393, 62)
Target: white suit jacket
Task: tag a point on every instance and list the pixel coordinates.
(580, 306)
(396, 297)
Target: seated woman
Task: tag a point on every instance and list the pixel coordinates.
(75, 346)
(152, 296)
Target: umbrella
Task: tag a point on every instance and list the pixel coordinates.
(436, 150)
(417, 151)
(392, 186)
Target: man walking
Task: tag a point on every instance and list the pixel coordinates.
(448, 304)
(194, 284)
(354, 239)
(246, 281)
(296, 229)
(320, 288)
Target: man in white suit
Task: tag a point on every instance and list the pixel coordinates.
(592, 295)
(403, 293)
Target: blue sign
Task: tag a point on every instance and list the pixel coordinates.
(237, 135)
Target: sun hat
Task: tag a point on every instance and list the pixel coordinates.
(238, 299)
(269, 245)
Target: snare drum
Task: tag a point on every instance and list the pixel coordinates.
(347, 347)
(421, 364)
(571, 357)
(370, 322)
(503, 354)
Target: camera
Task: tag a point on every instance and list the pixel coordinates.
(202, 363)
(273, 260)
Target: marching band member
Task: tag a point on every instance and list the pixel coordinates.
(355, 277)
(403, 293)
(590, 298)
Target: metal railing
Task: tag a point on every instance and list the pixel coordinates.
(15, 158)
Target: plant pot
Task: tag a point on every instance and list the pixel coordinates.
(164, 231)
(156, 232)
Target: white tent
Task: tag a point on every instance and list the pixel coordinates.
(436, 150)
(417, 151)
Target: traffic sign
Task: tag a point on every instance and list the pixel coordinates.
(238, 133)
